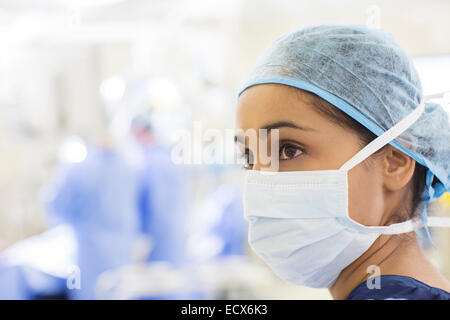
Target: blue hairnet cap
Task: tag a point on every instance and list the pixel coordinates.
(363, 72)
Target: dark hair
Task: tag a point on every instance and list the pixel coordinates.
(337, 116)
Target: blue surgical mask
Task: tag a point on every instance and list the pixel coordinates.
(299, 222)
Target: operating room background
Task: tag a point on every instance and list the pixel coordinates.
(82, 68)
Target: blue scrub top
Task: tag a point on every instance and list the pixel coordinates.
(394, 287)
(98, 199)
(163, 206)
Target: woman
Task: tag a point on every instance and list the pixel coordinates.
(360, 156)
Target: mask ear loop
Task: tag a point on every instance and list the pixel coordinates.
(384, 139)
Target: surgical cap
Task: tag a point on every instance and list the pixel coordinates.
(363, 72)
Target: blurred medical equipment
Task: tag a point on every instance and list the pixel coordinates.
(38, 267)
(156, 280)
(232, 277)
(235, 277)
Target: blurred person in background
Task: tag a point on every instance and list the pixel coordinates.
(231, 226)
(220, 229)
(97, 198)
(162, 204)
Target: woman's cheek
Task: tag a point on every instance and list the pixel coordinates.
(365, 196)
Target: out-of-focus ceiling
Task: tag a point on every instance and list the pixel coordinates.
(421, 26)
(106, 20)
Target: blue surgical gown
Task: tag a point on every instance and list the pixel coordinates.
(98, 198)
(163, 208)
(394, 287)
(231, 227)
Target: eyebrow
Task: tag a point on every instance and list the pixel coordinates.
(277, 125)
(281, 124)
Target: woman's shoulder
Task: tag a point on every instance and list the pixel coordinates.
(395, 287)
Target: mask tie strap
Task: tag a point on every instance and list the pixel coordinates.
(375, 145)
(384, 139)
(429, 194)
(416, 223)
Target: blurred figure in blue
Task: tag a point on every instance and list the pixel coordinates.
(220, 230)
(163, 208)
(97, 196)
(231, 226)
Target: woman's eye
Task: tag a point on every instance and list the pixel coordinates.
(290, 151)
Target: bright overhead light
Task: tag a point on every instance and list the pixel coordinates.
(73, 150)
(113, 89)
(163, 93)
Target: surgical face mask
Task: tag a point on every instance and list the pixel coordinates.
(299, 222)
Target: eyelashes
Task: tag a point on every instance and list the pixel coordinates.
(287, 151)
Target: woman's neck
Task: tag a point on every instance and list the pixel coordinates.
(397, 255)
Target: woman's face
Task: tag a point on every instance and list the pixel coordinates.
(310, 141)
